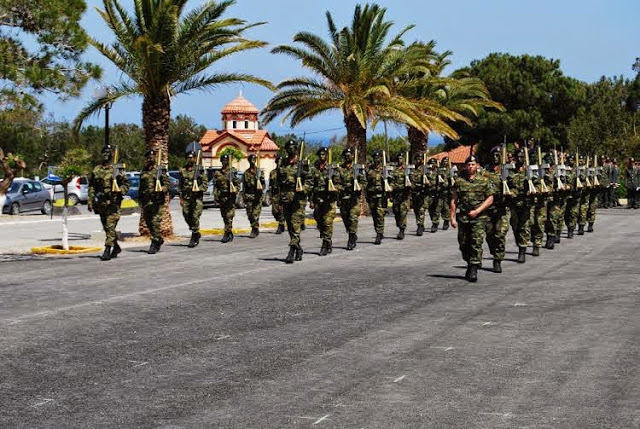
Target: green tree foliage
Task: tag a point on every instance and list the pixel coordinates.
(234, 153)
(41, 43)
(539, 99)
(182, 131)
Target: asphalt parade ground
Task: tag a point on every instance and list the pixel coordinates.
(391, 336)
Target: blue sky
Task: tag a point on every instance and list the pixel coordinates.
(591, 38)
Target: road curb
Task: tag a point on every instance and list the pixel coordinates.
(58, 250)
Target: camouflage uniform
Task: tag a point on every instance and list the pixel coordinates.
(105, 202)
(376, 197)
(276, 206)
(401, 198)
(440, 196)
(471, 232)
(349, 199)
(571, 207)
(152, 202)
(192, 201)
(293, 203)
(225, 197)
(253, 196)
(420, 194)
(594, 192)
(498, 214)
(324, 202)
(539, 212)
(521, 208)
(555, 211)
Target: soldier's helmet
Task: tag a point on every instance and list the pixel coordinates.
(472, 158)
(347, 150)
(495, 149)
(107, 148)
(150, 153)
(377, 153)
(290, 143)
(322, 150)
(252, 158)
(400, 158)
(224, 158)
(190, 154)
(444, 161)
(581, 159)
(432, 161)
(417, 158)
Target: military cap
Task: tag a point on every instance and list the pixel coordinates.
(252, 157)
(377, 153)
(631, 159)
(444, 161)
(107, 148)
(149, 153)
(321, 150)
(347, 150)
(190, 154)
(290, 143)
(224, 157)
(472, 158)
(432, 161)
(495, 149)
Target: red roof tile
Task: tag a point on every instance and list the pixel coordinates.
(239, 105)
(458, 155)
(255, 139)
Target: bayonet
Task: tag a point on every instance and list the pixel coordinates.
(117, 171)
(259, 173)
(530, 171)
(358, 169)
(542, 168)
(159, 171)
(578, 171)
(299, 187)
(386, 172)
(597, 170)
(505, 169)
(196, 173)
(453, 171)
(330, 172)
(408, 169)
(425, 170)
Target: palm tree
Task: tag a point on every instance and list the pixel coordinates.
(459, 93)
(357, 72)
(163, 51)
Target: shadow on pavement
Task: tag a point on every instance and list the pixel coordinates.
(447, 276)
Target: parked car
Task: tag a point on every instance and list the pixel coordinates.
(78, 188)
(27, 195)
(209, 200)
(134, 185)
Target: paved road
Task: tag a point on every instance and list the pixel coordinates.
(383, 337)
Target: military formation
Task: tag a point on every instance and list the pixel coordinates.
(535, 194)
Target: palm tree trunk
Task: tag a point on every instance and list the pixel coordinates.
(418, 140)
(156, 116)
(357, 138)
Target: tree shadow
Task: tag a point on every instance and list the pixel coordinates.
(282, 260)
(447, 276)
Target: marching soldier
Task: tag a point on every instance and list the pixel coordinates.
(593, 193)
(472, 194)
(400, 196)
(274, 192)
(572, 199)
(376, 195)
(253, 186)
(539, 214)
(324, 195)
(556, 207)
(615, 178)
(437, 180)
(293, 183)
(192, 194)
(440, 203)
(226, 191)
(350, 195)
(420, 193)
(498, 213)
(521, 206)
(583, 193)
(154, 187)
(632, 185)
(105, 197)
(605, 183)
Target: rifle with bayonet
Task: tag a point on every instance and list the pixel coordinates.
(231, 177)
(160, 171)
(425, 170)
(197, 170)
(505, 169)
(560, 171)
(299, 187)
(530, 171)
(597, 171)
(579, 170)
(453, 172)
(259, 173)
(588, 173)
(386, 172)
(408, 170)
(358, 171)
(542, 168)
(331, 171)
(118, 169)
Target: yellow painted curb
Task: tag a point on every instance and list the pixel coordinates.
(58, 250)
(220, 231)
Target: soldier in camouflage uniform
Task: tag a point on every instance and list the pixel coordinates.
(436, 180)
(192, 200)
(605, 182)
(583, 206)
(253, 194)
(292, 172)
(420, 193)
(349, 197)
(615, 179)
(594, 193)
(274, 192)
(539, 214)
(572, 199)
(556, 208)
(498, 213)
(106, 202)
(152, 199)
(521, 207)
(225, 187)
(472, 194)
(441, 197)
(376, 195)
(632, 182)
(324, 198)
(400, 196)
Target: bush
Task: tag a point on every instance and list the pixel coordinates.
(622, 191)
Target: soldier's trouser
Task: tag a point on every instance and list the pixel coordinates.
(153, 212)
(294, 216)
(378, 208)
(631, 197)
(584, 206)
(350, 213)
(593, 205)
(471, 238)
(254, 208)
(325, 214)
(420, 203)
(603, 198)
(571, 212)
(400, 210)
(538, 220)
(520, 224)
(276, 211)
(434, 209)
(497, 228)
(555, 213)
(228, 211)
(445, 206)
(109, 216)
(191, 211)
(613, 200)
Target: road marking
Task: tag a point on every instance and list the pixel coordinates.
(321, 419)
(222, 337)
(519, 304)
(446, 349)
(399, 378)
(488, 324)
(301, 417)
(46, 401)
(507, 415)
(140, 364)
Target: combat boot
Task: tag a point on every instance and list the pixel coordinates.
(497, 266)
(355, 240)
(303, 226)
(280, 229)
(290, 256)
(536, 251)
(378, 239)
(420, 230)
(107, 254)
(152, 248)
(590, 227)
(323, 249)
(329, 246)
(227, 237)
(254, 233)
(116, 250)
(550, 242)
(557, 237)
(445, 225)
(400, 235)
(192, 242)
(522, 255)
(570, 234)
(350, 244)
(473, 273)
(434, 228)
(299, 253)
(580, 229)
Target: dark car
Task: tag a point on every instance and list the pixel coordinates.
(27, 195)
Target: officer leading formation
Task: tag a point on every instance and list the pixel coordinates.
(535, 195)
